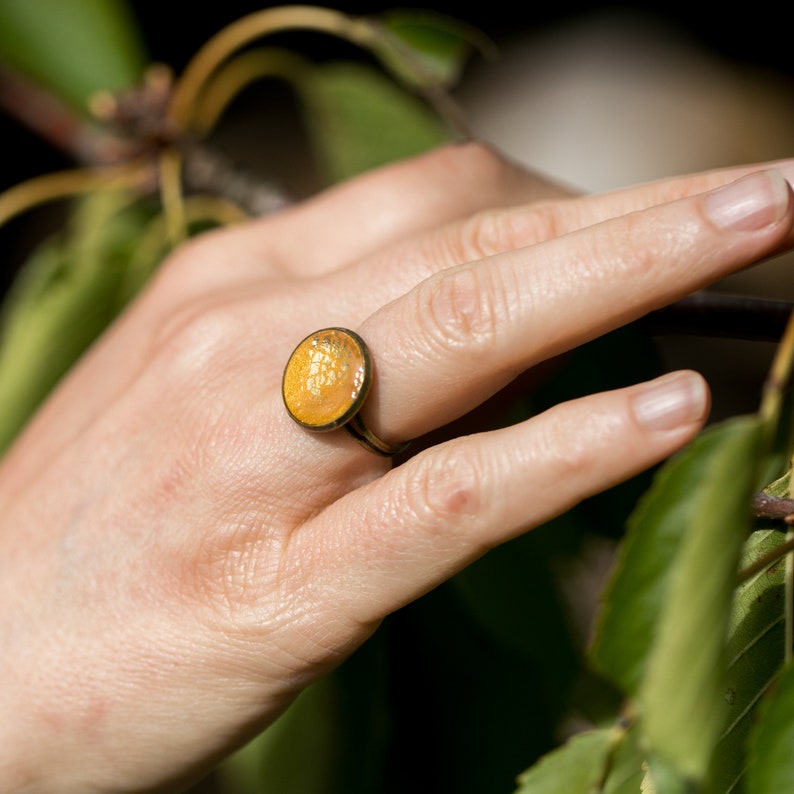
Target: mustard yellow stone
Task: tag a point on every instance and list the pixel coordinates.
(326, 379)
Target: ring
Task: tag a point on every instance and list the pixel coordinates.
(325, 383)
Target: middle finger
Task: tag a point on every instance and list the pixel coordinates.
(498, 316)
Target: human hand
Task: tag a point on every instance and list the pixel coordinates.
(179, 558)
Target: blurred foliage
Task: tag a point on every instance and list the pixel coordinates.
(686, 685)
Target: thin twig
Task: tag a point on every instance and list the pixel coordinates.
(715, 314)
(766, 561)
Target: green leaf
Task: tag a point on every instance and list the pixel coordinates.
(771, 761)
(681, 695)
(576, 767)
(755, 650)
(781, 487)
(357, 119)
(72, 47)
(627, 769)
(664, 778)
(426, 49)
(684, 495)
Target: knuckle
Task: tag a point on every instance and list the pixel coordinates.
(456, 311)
(568, 451)
(494, 231)
(482, 164)
(224, 574)
(196, 340)
(446, 487)
(625, 250)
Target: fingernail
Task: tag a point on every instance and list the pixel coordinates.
(671, 401)
(749, 203)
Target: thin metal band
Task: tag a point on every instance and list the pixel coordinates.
(365, 436)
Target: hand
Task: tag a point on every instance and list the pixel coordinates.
(178, 558)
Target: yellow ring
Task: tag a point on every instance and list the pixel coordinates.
(326, 381)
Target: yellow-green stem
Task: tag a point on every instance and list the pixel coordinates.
(67, 184)
(244, 31)
(171, 195)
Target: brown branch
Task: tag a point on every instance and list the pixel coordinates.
(720, 315)
(773, 507)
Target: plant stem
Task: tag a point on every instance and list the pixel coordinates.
(66, 184)
(768, 559)
(250, 27)
(715, 314)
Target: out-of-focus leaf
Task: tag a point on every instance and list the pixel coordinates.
(293, 755)
(627, 768)
(771, 760)
(576, 767)
(755, 650)
(332, 738)
(357, 119)
(64, 297)
(664, 778)
(72, 47)
(681, 695)
(425, 49)
(511, 592)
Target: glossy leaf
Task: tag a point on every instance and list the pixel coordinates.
(358, 118)
(755, 650)
(681, 695)
(576, 767)
(771, 760)
(72, 47)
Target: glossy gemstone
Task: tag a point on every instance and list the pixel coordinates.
(326, 379)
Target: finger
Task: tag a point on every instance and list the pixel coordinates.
(495, 230)
(462, 334)
(392, 540)
(661, 191)
(353, 219)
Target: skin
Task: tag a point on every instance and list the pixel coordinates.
(178, 559)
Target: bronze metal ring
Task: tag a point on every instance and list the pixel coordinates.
(326, 381)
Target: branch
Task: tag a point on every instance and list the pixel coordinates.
(773, 507)
(714, 314)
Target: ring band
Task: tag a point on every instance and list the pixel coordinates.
(326, 381)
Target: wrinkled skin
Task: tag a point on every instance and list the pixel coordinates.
(178, 559)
